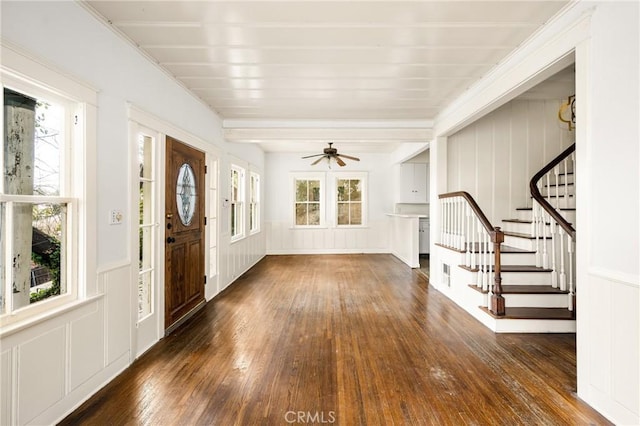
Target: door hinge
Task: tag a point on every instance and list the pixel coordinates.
(205, 220)
(205, 279)
(205, 169)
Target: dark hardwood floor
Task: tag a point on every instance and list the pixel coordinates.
(342, 339)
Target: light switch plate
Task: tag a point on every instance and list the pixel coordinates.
(115, 217)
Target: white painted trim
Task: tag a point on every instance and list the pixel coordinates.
(618, 277)
(161, 125)
(328, 251)
(28, 73)
(31, 321)
(23, 66)
(113, 266)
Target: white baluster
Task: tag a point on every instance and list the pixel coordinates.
(537, 212)
(485, 274)
(554, 274)
(490, 273)
(446, 222)
(443, 222)
(467, 258)
(570, 249)
(556, 171)
(472, 243)
(563, 276)
(480, 256)
(545, 239)
(460, 205)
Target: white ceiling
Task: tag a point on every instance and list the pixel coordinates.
(293, 75)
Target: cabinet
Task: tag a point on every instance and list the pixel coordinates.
(414, 183)
(423, 237)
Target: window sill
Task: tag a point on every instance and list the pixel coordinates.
(237, 239)
(15, 327)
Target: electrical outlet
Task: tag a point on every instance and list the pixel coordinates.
(115, 217)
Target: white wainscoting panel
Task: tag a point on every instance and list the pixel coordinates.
(86, 343)
(6, 394)
(283, 239)
(117, 288)
(49, 368)
(41, 373)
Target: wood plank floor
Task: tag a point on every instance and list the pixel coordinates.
(343, 339)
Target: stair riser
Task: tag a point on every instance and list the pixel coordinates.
(508, 259)
(524, 278)
(562, 202)
(570, 215)
(521, 278)
(537, 300)
(550, 191)
(521, 243)
(569, 178)
(522, 228)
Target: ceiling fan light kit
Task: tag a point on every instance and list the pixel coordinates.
(331, 153)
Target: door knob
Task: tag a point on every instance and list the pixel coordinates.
(171, 240)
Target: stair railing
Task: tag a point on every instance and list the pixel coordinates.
(555, 237)
(466, 229)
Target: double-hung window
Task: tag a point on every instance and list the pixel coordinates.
(43, 210)
(309, 199)
(237, 202)
(350, 204)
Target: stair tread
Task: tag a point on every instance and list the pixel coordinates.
(524, 289)
(522, 235)
(559, 184)
(512, 268)
(534, 313)
(526, 222)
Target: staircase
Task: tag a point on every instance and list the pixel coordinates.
(532, 289)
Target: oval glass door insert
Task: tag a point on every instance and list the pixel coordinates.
(186, 194)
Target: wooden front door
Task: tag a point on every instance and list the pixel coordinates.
(184, 231)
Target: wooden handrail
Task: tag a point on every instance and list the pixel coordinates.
(535, 192)
(497, 238)
(474, 206)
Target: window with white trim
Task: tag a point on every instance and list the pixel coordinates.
(146, 225)
(350, 199)
(254, 202)
(236, 202)
(43, 218)
(308, 204)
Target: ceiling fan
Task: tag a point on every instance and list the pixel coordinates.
(330, 153)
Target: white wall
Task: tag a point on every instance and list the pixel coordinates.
(494, 158)
(281, 238)
(51, 367)
(608, 212)
(605, 39)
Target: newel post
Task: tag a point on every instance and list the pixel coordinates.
(497, 301)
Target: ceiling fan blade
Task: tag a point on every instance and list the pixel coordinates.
(349, 157)
(309, 156)
(318, 160)
(340, 162)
